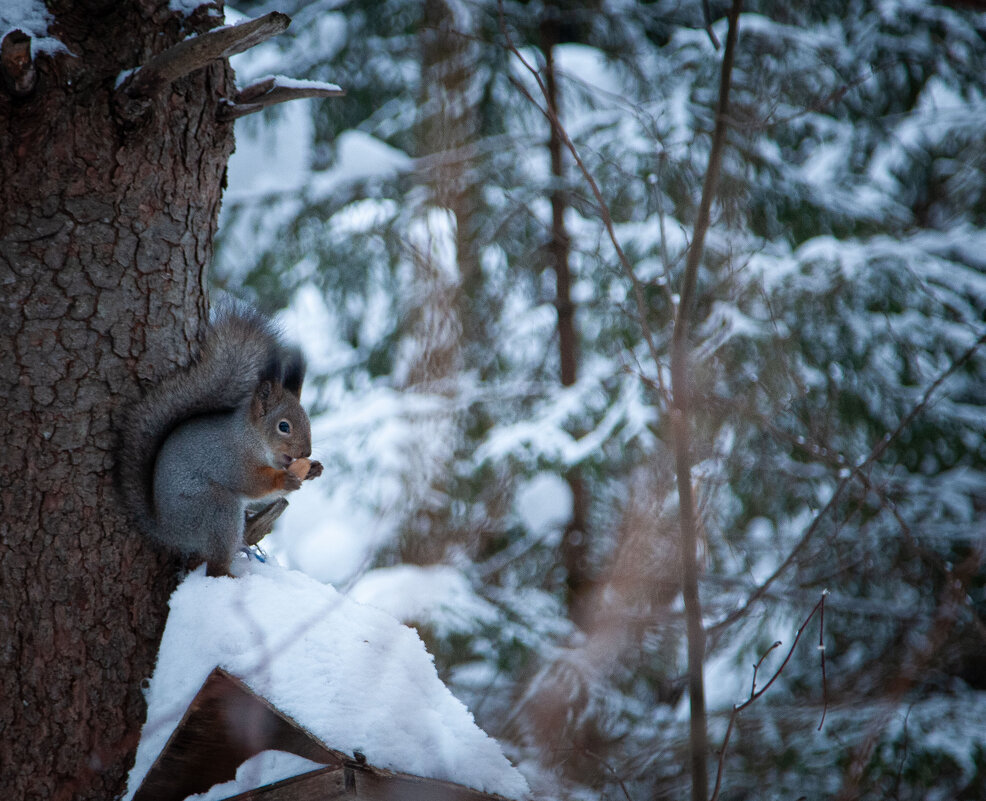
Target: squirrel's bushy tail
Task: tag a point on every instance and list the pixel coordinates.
(241, 349)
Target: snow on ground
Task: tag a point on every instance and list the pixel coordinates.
(350, 674)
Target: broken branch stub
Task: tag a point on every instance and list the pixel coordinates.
(269, 92)
(255, 90)
(192, 54)
(260, 524)
(19, 75)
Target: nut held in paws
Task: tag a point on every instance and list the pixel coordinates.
(299, 467)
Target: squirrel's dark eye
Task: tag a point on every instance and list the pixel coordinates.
(284, 427)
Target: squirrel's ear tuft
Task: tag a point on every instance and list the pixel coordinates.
(262, 398)
(272, 369)
(294, 371)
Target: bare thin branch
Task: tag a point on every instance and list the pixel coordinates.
(756, 668)
(821, 650)
(918, 407)
(616, 776)
(707, 13)
(760, 591)
(665, 258)
(755, 693)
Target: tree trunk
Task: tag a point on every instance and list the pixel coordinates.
(681, 416)
(575, 543)
(106, 227)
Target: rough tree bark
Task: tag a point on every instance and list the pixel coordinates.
(108, 203)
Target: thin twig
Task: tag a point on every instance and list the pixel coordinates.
(756, 694)
(815, 106)
(665, 259)
(616, 776)
(707, 13)
(756, 668)
(884, 443)
(821, 649)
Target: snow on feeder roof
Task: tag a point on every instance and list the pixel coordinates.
(304, 671)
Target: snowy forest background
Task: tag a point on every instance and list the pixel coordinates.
(494, 423)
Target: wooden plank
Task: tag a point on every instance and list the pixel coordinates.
(226, 724)
(364, 782)
(379, 785)
(326, 784)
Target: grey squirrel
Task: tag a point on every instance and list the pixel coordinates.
(216, 440)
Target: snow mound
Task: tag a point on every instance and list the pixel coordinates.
(350, 674)
(437, 595)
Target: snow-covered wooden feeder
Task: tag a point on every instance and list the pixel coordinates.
(273, 686)
(227, 724)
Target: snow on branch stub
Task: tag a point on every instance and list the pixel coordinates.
(272, 90)
(193, 53)
(137, 87)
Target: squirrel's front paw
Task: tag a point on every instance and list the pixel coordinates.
(314, 471)
(291, 481)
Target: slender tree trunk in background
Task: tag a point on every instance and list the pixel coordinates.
(106, 228)
(682, 415)
(442, 322)
(449, 134)
(560, 246)
(575, 551)
(450, 126)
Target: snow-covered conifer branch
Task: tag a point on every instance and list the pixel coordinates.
(846, 479)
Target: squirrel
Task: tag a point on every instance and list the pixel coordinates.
(216, 441)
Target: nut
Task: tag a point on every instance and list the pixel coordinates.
(300, 467)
